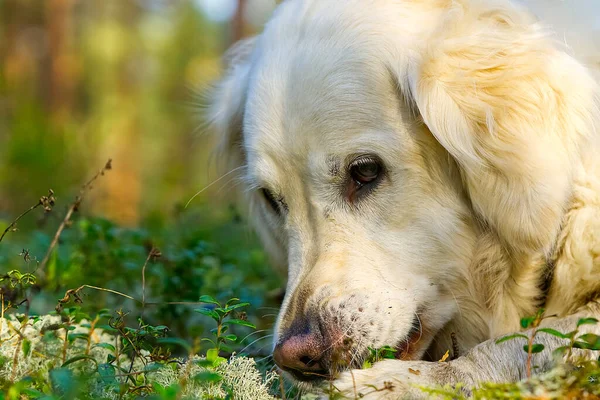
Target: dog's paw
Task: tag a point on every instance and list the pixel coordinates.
(388, 379)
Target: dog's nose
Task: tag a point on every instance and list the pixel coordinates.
(302, 356)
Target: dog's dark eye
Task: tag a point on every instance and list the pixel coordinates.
(365, 170)
(268, 195)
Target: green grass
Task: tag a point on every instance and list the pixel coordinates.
(125, 312)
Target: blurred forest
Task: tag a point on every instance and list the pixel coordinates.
(82, 81)
(85, 80)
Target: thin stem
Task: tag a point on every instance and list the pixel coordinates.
(66, 342)
(59, 231)
(90, 333)
(530, 353)
(18, 218)
(74, 207)
(18, 349)
(1, 310)
(154, 253)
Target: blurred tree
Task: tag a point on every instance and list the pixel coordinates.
(84, 80)
(63, 76)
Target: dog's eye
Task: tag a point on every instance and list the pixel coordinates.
(365, 170)
(268, 195)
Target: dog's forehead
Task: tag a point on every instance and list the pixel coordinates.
(315, 97)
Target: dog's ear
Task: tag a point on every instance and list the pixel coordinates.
(226, 104)
(514, 111)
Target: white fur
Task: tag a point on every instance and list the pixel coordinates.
(486, 124)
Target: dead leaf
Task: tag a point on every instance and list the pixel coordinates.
(445, 356)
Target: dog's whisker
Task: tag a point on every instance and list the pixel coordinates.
(232, 182)
(420, 327)
(213, 183)
(270, 356)
(256, 332)
(456, 301)
(256, 341)
(269, 308)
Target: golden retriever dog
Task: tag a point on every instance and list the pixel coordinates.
(428, 171)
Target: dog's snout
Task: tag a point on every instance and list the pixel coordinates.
(301, 354)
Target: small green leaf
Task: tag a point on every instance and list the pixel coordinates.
(105, 312)
(592, 340)
(231, 338)
(232, 300)
(153, 367)
(587, 321)
(204, 363)
(219, 361)
(240, 322)
(208, 340)
(106, 346)
(208, 312)
(581, 345)
(26, 347)
(556, 333)
(535, 348)
(79, 358)
(510, 337)
(212, 354)
(209, 299)
(208, 376)
(236, 306)
(527, 322)
(73, 336)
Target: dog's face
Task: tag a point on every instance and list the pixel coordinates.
(366, 203)
(372, 210)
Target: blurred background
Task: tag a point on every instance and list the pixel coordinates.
(85, 80)
(82, 81)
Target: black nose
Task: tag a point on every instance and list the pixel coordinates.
(302, 355)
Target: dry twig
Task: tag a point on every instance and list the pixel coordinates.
(73, 208)
(45, 201)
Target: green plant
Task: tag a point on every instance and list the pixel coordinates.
(223, 316)
(375, 355)
(587, 341)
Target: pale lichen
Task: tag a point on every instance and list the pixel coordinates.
(35, 346)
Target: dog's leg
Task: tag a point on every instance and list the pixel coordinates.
(487, 362)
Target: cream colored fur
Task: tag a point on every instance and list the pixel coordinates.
(487, 125)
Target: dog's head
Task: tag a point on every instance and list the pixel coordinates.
(377, 140)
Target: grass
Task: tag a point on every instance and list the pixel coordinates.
(106, 306)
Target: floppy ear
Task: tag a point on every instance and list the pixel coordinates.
(226, 104)
(514, 111)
